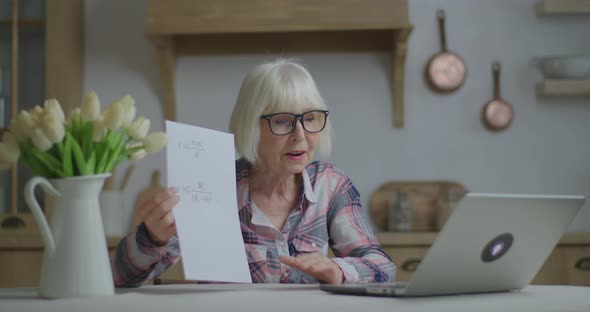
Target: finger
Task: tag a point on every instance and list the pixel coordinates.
(289, 260)
(301, 262)
(316, 265)
(147, 206)
(161, 231)
(161, 226)
(158, 228)
(170, 231)
(167, 220)
(312, 265)
(161, 210)
(167, 206)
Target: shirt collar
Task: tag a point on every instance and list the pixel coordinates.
(244, 185)
(308, 188)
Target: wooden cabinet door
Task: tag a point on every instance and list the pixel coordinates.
(576, 265)
(20, 268)
(550, 272)
(406, 260)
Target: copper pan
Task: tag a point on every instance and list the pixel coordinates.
(445, 71)
(497, 114)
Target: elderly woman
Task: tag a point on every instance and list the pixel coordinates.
(291, 208)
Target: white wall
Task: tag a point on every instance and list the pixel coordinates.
(546, 150)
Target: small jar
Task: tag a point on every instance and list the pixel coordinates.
(400, 213)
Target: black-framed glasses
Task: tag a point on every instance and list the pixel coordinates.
(284, 123)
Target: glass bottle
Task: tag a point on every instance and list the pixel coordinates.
(400, 213)
(448, 198)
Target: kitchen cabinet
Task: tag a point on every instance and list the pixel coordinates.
(41, 44)
(189, 27)
(568, 264)
(21, 259)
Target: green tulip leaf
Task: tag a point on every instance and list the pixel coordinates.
(67, 159)
(90, 165)
(79, 158)
(87, 143)
(50, 162)
(102, 163)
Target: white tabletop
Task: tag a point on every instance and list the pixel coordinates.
(282, 298)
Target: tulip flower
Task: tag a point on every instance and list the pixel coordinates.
(40, 140)
(88, 143)
(37, 114)
(16, 129)
(90, 109)
(74, 114)
(22, 126)
(9, 138)
(113, 117)
(129, 107)
(9, 153)
(154, 142)
(54, 130)
(52, 107)
(138, 155)
(99, 130)
(139, 128)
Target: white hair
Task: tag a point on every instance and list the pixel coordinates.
(279, 86)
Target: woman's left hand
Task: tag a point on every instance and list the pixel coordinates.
(317, 266)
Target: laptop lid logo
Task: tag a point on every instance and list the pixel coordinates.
(497, 247)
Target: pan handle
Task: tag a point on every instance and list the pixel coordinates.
(496, 74)
(440, 13)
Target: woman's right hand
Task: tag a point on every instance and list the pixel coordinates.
(157, 215)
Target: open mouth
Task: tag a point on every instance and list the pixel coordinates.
(296, 154)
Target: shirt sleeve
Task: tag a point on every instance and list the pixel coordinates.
(358, 254)
(138, 259)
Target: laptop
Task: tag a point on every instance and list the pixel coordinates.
(490, 243)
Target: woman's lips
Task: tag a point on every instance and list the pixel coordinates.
(296, 155)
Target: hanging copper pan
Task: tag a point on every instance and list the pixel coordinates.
(445, 71)
(497, 114)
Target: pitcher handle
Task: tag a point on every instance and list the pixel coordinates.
(37, 213)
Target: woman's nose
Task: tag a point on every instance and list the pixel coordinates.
(299, 133)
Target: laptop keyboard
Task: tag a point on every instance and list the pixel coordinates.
(394, 285)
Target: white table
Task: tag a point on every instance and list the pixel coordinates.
(282, 298)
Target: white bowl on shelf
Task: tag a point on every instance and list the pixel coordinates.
(575, 67)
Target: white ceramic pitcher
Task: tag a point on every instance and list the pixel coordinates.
(76, 261)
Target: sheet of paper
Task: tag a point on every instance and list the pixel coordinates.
(201, 165)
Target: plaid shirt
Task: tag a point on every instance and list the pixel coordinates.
(328, 215)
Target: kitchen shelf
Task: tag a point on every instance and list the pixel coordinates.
(550, 7)
(187, 27)
(564, 88)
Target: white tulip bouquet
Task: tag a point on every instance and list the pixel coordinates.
(88, 142)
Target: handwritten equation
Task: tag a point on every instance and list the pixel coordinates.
(196, 148)
(197, 193)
